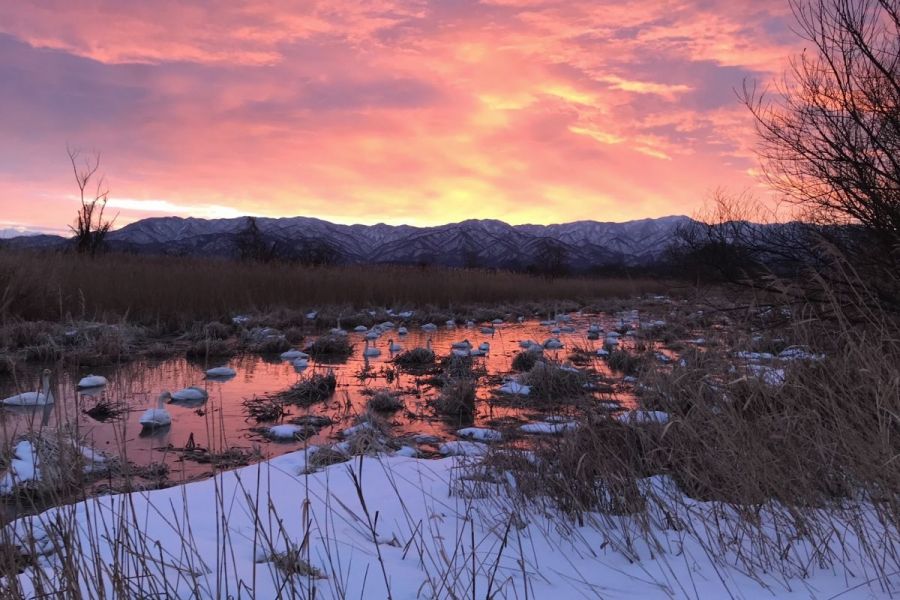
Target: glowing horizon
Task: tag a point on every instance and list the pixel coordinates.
(414, 112)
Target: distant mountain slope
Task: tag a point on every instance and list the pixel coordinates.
(478, 243)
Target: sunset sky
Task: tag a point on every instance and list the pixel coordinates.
(419, 112)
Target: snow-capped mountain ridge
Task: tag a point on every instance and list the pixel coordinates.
(489, 243)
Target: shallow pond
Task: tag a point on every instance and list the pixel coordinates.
(222, 421)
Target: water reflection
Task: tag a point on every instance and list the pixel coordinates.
(216, 418)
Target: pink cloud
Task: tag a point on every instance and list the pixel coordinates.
(426, 112)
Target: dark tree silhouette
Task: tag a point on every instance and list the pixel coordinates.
(252, 244)
(91, 226)
(830, 134)
(312, 252)
(550, 259)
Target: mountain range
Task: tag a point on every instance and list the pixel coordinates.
(577, 246)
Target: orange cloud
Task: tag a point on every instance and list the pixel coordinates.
(413, 111)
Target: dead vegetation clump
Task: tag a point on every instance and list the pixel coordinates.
(105, 409)
(229, 458)
(264, 409)
(213, 330)
(294, 335)
(98, 345)
(458, 382)
(282, 318)
(7, 363)
(318, 421)
(87, 344)
(555, 383)
(270, 344)
(460, 367)
(330, 347)
(383, 400)
(15, 335)
(324, 457)
(591, 468)
(525, 360)
(416, 357)
(625, 362)
(157, 350)
(582, 356)
(292, 564)
(457, 400)
(315, 388)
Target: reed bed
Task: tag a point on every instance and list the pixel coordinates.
(179, 291)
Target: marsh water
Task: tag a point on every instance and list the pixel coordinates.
(222, 421)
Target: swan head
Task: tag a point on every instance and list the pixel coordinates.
(45, 379)
(165, 397)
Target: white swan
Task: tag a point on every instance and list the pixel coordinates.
(394, 346)
(484, 347)
(220, 372)
(159, 416)
(92, 381)
(553, 344)
(293, 354)
(370, 351)
(301, 363)
(360, 329)
(44, 396)
(463, 345)
(374, 334)
(190, 394)
(429, 327)
(402, 330)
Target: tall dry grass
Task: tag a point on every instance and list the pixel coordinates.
(175, 289)
(783, 466)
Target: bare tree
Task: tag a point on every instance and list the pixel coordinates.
(90, 227)
(252, 245)
(830, 132)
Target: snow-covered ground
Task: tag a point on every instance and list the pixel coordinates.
(419, 529)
